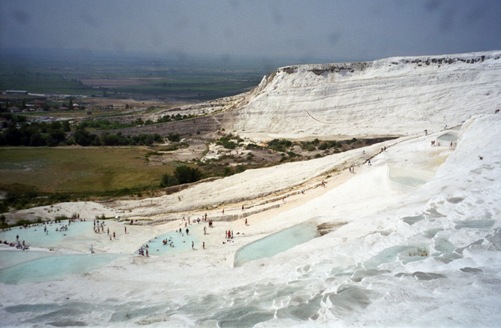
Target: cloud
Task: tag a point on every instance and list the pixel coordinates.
(356, 28)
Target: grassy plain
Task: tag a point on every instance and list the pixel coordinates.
(108, 86)
(118, 77)
(80, 170)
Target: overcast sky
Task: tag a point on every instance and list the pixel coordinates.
(327, 29)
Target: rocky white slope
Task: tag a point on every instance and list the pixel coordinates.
(415, 240)
(393, 96)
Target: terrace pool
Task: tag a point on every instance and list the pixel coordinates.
(17, 266)
(276, 243)
(35, 265)
(449, 136)
(181, 241)
(49, 267)
(409, 178)
(37, 237)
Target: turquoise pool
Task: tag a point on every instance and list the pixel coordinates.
(37, 237)
(32, 265)
(49, 267)
(276, 243)
(181, 242)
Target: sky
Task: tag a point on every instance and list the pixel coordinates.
(313, 29)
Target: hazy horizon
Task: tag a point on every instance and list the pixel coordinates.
(258, 63)
(321, 31)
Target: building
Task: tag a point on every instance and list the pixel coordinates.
(16, 92)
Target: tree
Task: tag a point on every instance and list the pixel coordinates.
(168, 180)
(157, 138)
(279, 144)
(186, 174)
(174, 137)
(66, 126)
(147, 139)
(3, 222)
(55, 125)
(56, 137)
(109, 139)
(82, 137)
(12, 136)
(37, 139)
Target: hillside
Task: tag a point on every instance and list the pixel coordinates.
(408, 231)
(393, 96)
(389, 97)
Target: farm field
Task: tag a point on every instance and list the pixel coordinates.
(109, 76)
(79, 170)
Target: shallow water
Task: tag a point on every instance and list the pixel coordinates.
(17, 266)
(181, 242)
(475, 224)
(409, 177)
(37, 237)
(408, 181)
(52, 267)
(449, 136)
(349, 298)
(389, 254)
(410, 220)
(13, 257)
(276, 243)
